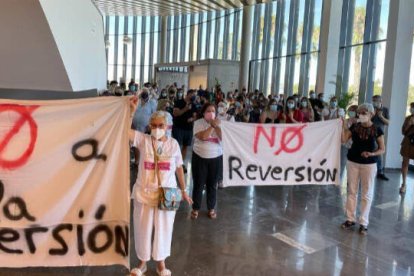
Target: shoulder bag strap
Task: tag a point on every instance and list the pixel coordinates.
(156, 169)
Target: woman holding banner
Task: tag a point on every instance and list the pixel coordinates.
(147, 217)
(206, 160)
(367, 145)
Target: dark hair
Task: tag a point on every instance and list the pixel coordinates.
(412, 104)
(290, 98)
(204, 108)
(377, 97)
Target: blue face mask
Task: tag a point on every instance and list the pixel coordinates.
(237, 104)
(273, 107)
(132, 88)
(291, 105)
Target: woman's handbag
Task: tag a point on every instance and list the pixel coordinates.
(169, 198)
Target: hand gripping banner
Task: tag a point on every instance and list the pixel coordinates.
(64, 182)
(281, 154)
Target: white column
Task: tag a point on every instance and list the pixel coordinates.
(397, 74)
(246, 38)
(329, 47)
(163, 39)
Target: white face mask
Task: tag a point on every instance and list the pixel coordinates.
(221, 110)
(363, 118)
(312, 96)
(291, 105)
(157, 133)
(304, 104)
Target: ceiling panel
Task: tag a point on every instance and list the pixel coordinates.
(167, 7)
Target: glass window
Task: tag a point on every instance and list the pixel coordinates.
(119, 65)
(221, 34)
(359, 21)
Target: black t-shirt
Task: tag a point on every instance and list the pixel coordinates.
(364, 139)
(182, 121)
(254, 116)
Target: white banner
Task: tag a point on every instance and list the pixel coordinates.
(281, 154)
(64, 190)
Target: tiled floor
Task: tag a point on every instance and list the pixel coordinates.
(269, 231)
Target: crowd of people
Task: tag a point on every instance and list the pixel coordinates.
(175, 120)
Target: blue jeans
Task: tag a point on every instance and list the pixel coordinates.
(380, 168)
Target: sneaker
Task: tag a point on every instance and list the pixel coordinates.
(363, 230)
(403, 188)
(348, 225)
(382, 176)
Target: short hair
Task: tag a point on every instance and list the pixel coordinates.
(162, 103)
(205, 106)
(376, 97)
(367, 107)
(353, 107)
(159, 114)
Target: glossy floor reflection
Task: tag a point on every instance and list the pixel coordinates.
(268, 231)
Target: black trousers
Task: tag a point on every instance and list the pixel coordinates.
(205, 173)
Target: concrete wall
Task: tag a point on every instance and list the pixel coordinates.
(227, 73)
(77, 27)
(168, 78)
(198, 76)
(29, 55)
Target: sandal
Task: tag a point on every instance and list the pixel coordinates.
(212, 214)
(138, 271)
(164, 272)
(194, 214)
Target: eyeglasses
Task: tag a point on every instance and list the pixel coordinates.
(153, 126)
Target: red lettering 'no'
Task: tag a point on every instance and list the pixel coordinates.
(288, 135)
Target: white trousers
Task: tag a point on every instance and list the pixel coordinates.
(147, 219)
(364, 174)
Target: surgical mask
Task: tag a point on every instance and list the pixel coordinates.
(180, 95)
(164, 94)
(132, 88)
(412, 111)
(237, 104)
(209, 116)
(376, 104)
(157, 133)
(363, 118)
(334, 104)
(291, 105)
(304, 104)
(312, 96)
(273, 107)
(351, 114)
(221, 110)
(276, 98)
